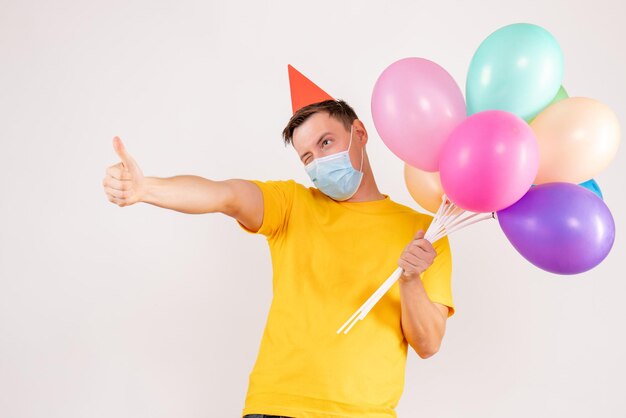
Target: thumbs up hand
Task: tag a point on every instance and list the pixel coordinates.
(124, 183)
(417, 256)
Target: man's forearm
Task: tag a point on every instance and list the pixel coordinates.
(187, 194)
(422, 323)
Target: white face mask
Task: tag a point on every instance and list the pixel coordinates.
(334, 175)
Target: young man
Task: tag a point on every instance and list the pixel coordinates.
(331, 246)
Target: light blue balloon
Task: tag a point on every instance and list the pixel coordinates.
(593, 186)
(590, 185)
(518, 68)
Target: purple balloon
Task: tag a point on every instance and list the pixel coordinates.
(560, 227)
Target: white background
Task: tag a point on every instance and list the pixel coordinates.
(147, 312)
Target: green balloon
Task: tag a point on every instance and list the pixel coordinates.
(560, 95)
(518, 69)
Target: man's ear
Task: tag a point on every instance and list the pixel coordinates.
(361, 132)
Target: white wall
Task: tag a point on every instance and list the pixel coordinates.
(145, 312)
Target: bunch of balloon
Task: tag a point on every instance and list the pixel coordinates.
(558, 226)
(464, 168)
(461, 168)
(519, 129)
(416, 104)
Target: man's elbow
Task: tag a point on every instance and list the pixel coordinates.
(426, 354)
(427, 351)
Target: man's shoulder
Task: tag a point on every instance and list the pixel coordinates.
(420, 217)
(284, 187)
(284, 183)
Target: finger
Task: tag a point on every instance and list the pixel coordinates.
(408, 268)
(120, 149)
(117, 201)
(118, 172)
(415, 264)
(411, 259)
(119, 194)
(428, 256)
(419, 235)
(424, 245)
(418, 249)
(116, 184)
(420, 261)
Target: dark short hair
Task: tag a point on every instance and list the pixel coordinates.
(337, 109)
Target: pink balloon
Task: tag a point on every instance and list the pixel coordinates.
(415, 106)
(489, 162)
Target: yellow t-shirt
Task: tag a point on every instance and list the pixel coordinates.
(328, 257)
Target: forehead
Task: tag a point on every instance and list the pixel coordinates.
(306, 135)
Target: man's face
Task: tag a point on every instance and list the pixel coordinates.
(321, 135)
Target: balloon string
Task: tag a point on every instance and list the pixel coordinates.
(467, 222)
(451, 216)
(468, 216)
(448, 219)
(437, 221)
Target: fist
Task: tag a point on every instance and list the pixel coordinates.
(417, 256)
(124, 183)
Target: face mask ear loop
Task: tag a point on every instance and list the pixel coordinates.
(361, 169)
(350, 143)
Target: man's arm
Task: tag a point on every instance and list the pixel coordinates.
(423, 321)
(125, 185)
(237, 198)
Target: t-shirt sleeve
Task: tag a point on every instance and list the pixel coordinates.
(437, 279)
(278, 198)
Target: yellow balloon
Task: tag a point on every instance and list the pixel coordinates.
(578, 137)
(424, 187)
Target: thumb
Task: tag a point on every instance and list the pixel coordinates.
(120, 150)
(419, 235)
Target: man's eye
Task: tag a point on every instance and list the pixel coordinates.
(324, 141)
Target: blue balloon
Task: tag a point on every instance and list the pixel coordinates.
(518, 68)
(590, 185)
(593, 186)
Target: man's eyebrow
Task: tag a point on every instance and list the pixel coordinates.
(318, 141)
